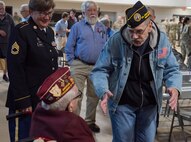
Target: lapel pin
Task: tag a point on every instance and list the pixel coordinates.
(35, 27)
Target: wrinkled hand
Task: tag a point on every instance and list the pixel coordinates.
(40, 139)
(27, 110)
(103, 103)
(173, 98)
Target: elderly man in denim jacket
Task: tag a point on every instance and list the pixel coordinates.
(129, 74)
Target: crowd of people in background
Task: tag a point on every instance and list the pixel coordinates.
(176, 29)
(31, 48)
(6, 24)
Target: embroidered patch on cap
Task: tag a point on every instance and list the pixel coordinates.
(56, 86)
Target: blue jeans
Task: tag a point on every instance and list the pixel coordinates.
(19, 127)
(131, 124)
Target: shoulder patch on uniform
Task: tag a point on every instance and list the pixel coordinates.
(15, 49)
(23, 24)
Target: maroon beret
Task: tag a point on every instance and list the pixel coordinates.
(56, 86)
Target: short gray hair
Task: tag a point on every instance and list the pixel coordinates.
(59, 105)
(2, 3)
(64, 101)
(86, 4)
(105, 21)
(24, 7)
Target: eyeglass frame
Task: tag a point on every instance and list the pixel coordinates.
(44, 13)
(137, 32)
(23, 10)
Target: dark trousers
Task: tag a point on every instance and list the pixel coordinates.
(19, 127)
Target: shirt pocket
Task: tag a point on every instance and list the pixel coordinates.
(117, 63)
(115, 74)
(160, 68)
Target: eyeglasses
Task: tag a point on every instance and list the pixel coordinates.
(138, 32)
(43, 14)
(79, 94)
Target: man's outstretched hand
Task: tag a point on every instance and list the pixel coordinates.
(104, 101)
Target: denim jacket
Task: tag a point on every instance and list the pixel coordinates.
(113, 65)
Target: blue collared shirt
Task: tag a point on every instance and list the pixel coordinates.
(61, 27)
(85, 43)
(25, 19)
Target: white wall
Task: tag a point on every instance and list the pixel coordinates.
(166, 3)
(161, 12)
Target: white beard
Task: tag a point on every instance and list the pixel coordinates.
(92, 20)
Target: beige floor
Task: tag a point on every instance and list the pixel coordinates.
(103, 121)
(3, 111)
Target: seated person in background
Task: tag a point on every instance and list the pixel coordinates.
(55, 118)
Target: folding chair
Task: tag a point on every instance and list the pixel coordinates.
(166, 98)
(62, 59)
(183, 113)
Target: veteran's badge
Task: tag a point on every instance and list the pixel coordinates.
(56, 91)
(15, 49)
(137, 17)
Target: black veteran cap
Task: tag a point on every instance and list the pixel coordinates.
(136, 15)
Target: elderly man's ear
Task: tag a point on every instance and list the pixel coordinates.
(72, 107)
(150, 26)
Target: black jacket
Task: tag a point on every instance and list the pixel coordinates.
(138, 91)
(32, 57)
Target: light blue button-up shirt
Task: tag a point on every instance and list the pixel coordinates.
(61, 27)
(84, 42)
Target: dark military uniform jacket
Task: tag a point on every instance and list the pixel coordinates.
(32, 57)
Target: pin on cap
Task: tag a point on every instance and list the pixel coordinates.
(136, 15)
(56, 86)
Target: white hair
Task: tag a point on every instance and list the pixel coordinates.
(86, 4)
(2, 3)
(90, 19)
(24, 7)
